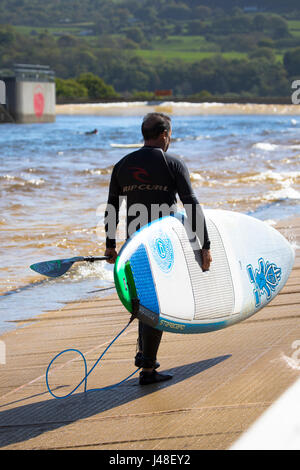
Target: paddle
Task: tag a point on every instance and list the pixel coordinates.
(59, 267)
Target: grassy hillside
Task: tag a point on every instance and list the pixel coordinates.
(188, 48)
(140, 45)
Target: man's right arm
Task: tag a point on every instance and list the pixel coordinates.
(112, 217)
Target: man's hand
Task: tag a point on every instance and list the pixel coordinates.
(111, 252)
(206, 259)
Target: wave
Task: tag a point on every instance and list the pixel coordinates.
(176, 108)
(99, 271)
(196, 177)
(287, 196)
(265, 146)
(272, 176)
(284, 178)
(14, 183)
(96, 171)
(282, 194)
(269, 147)
(186, 104)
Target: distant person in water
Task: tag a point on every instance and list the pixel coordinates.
(95, 131)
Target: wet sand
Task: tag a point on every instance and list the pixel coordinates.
(223, 381)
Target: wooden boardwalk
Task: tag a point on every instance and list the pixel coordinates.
(223, 381)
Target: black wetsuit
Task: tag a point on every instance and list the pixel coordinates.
(151, 177)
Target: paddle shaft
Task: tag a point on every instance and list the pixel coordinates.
(57, 268)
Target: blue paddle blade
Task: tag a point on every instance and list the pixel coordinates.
(55, 268)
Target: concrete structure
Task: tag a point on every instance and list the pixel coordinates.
(27, 94)
(4, 115)
(2, 92)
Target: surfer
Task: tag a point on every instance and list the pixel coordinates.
(95, 131)
(151, 177)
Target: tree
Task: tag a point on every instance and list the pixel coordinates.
(195, 27)
(262, 53)
(70, 88)
(266, 42)
(278, 26)
(135, 34)
(143, 95)
(202, 12)
(7, 36)
(66, 40)
(260, 22)
(177, 11)
(97, 88)
(291, 62)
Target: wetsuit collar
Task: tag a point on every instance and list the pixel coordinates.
(152, 147)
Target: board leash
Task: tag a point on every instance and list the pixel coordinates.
(87, 373)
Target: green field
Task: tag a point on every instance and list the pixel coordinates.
(185, 43)
(190, 49)
(294, 25)
(184, 48)
(294, 28)
(73, 29)
(186, 56)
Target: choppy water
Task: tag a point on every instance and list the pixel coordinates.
(53, 178)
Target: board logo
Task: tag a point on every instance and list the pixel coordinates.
(39, 101)
(163, 252)
(140, 173)
(265, 279)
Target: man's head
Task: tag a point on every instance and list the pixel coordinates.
(156, 130)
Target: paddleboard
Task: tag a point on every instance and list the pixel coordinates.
(126, 146)
(158, 273)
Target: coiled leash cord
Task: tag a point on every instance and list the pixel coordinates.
(84, 380)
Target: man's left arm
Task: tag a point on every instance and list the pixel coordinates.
(194, 211)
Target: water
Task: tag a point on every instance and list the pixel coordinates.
(54, 177)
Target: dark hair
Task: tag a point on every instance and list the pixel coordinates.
(155, 124)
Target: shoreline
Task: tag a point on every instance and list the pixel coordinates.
(139, 108)
(210, 402)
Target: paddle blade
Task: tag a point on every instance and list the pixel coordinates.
(55, 268)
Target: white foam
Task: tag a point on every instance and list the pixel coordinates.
(8, 177)
(294, 147)
(281, 177)
(36, 181)
(270, 222)
(284, 180)
(119, 104)
(141, 107)
(196, 177)
(266, 146)
(95, 172)
(95, 270)
(183, 104)
(284, 193)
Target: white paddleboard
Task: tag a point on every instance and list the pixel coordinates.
(126, 146)
(158, 272)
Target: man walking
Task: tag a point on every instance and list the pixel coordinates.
(151, 177)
